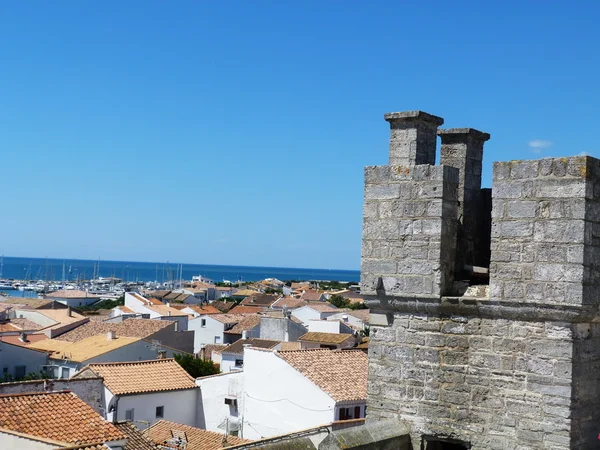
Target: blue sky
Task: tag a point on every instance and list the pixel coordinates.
(237, 132)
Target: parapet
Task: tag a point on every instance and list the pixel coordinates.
(412, 137)
(545, 244)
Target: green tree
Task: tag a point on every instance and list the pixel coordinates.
(196, 367)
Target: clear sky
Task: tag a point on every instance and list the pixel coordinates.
(237, 132)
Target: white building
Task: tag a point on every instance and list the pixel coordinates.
(155, 309)
(314, 311)
(17, 360)
(210, 329)
(222, 402)
(146, 392)
(329, 326)
(73, 297)
(358, 318)
(289, 391)
(232, 356)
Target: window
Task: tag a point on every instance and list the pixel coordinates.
(64, 373)
(202, 322)
(129, 415)
(357, 412)
(19, 372)
(239, 363)
(217, 339)
(344, 414)
(160, 412)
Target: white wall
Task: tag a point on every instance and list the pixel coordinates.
(14, 355)
(348, 319)
(228, 362)
(76, 301)
(278, 399)
(205, 335)
(306, 314)
(324, 326)
(12, 442)
(179, 406)
(213, 410)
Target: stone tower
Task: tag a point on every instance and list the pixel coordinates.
(512, 365)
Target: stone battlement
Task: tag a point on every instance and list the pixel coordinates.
(519, 366)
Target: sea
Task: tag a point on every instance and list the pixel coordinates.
(72, 269)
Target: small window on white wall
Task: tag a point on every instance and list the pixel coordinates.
(217, 339)
(202, 322)
(64, 373)
(160, 412)
(129, 415)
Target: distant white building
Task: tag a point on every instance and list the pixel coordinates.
(155, 309)
(232, 356)
(17, 360)
(314, 311)
(73, 297)
(212, 329)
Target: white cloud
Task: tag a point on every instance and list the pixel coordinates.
(537, 145)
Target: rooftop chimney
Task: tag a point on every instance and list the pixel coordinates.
(111, 335)
(23, 337)
(413, 137)
(69, 312)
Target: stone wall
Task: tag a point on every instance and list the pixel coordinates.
(495, 383)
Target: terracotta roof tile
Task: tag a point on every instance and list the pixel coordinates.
(222, 306)
(142, 376)
(59, 416)
(29, 338)
(135, 328)
(325, 338)
(340, 373)
(84, 349)
(71, 293)
(245, 324)
(312, 295)
(203, 309)
(165, 310)
(33, 303)
(259, 300)
(323, 307)
(290, 302)
(237, 347)
(243, 309)
(227, 318)
(197, 439)
(289, 346)
(136, 440)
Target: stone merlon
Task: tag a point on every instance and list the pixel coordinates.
(412, 137)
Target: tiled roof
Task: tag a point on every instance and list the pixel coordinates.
(242, 309)
(143, 376)
(30, 338)
(224, 288)
(290, 302)
(83, 350)
(323, 307)
(245, 324)
(136, 440)
(88, 447)
(259, 300)
(71, 293)
(197, 439)
(244, 292)
(301, 285)
(362, 314)
(125, 309)
(312, 294)
(223, 306)
(165, 310)
(203, 309)
(209, 348)
(136, 328)
(61, 316)
(59, 416)
(237, 348)
(227, 318)
(145, 300)
(325, 338)
(340, 373)
(33, 303)
(288, 346)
